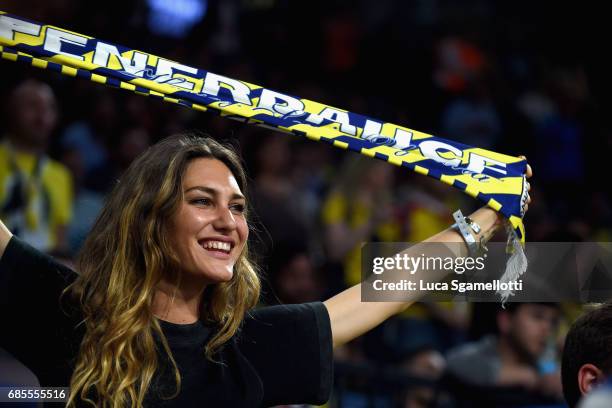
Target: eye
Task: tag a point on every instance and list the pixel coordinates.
(237, 207)
(201, 201)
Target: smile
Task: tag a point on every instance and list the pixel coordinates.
(221, 246)
(217, 245)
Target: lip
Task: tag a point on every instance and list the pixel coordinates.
(217, 254)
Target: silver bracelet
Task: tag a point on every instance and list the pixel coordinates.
(463, 226)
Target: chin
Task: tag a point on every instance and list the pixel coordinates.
(228, 277)
(219, 276)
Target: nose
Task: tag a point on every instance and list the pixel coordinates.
(224, 220)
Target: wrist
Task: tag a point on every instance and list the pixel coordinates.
(489, 221)
(469, 231)
(477, 229)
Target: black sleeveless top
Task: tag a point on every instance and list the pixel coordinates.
(282, 354)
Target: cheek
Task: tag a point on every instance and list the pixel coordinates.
(188, 221)
(180, 229)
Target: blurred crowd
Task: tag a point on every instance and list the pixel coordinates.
(472, 71)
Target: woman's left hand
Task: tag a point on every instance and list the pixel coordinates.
(528, 174)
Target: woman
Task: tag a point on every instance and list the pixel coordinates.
(160, 313)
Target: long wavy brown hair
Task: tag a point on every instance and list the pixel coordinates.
(124, 258)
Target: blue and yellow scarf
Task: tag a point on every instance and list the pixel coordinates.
(496, 179)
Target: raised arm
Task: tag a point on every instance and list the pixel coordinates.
(5, 237)
(350, 317)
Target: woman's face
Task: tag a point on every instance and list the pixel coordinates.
(209, 230)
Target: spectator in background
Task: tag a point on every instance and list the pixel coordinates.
(560, 138)
(35, 191)
(473, 118)
(457, 60)
(438, 325)
(358, 209)
(428, 365)
(273, 195)
(587, 356)
(312, 168)
(125, 147)
(89, 192)
(90, 136)
(295, 278)
(515, 356)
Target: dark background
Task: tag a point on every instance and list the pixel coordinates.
(382, 59)
(517, 77)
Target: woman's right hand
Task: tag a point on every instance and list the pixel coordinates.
(5, 237)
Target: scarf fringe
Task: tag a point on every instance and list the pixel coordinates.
(516, 265)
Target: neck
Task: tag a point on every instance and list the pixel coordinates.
(177, 305)
(24, 147)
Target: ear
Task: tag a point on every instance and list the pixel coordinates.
(588, 377)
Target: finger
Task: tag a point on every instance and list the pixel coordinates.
(528, 186)
(528, 171)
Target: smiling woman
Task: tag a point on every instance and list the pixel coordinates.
(209, 230)
(208, 234)
(161, 311)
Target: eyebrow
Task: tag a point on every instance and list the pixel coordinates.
(214, 192)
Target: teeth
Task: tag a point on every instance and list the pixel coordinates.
(224, 246)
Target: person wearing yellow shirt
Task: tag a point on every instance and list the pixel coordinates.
(359, 208)
(35, 191)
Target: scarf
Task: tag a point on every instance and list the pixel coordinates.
(496, 179)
